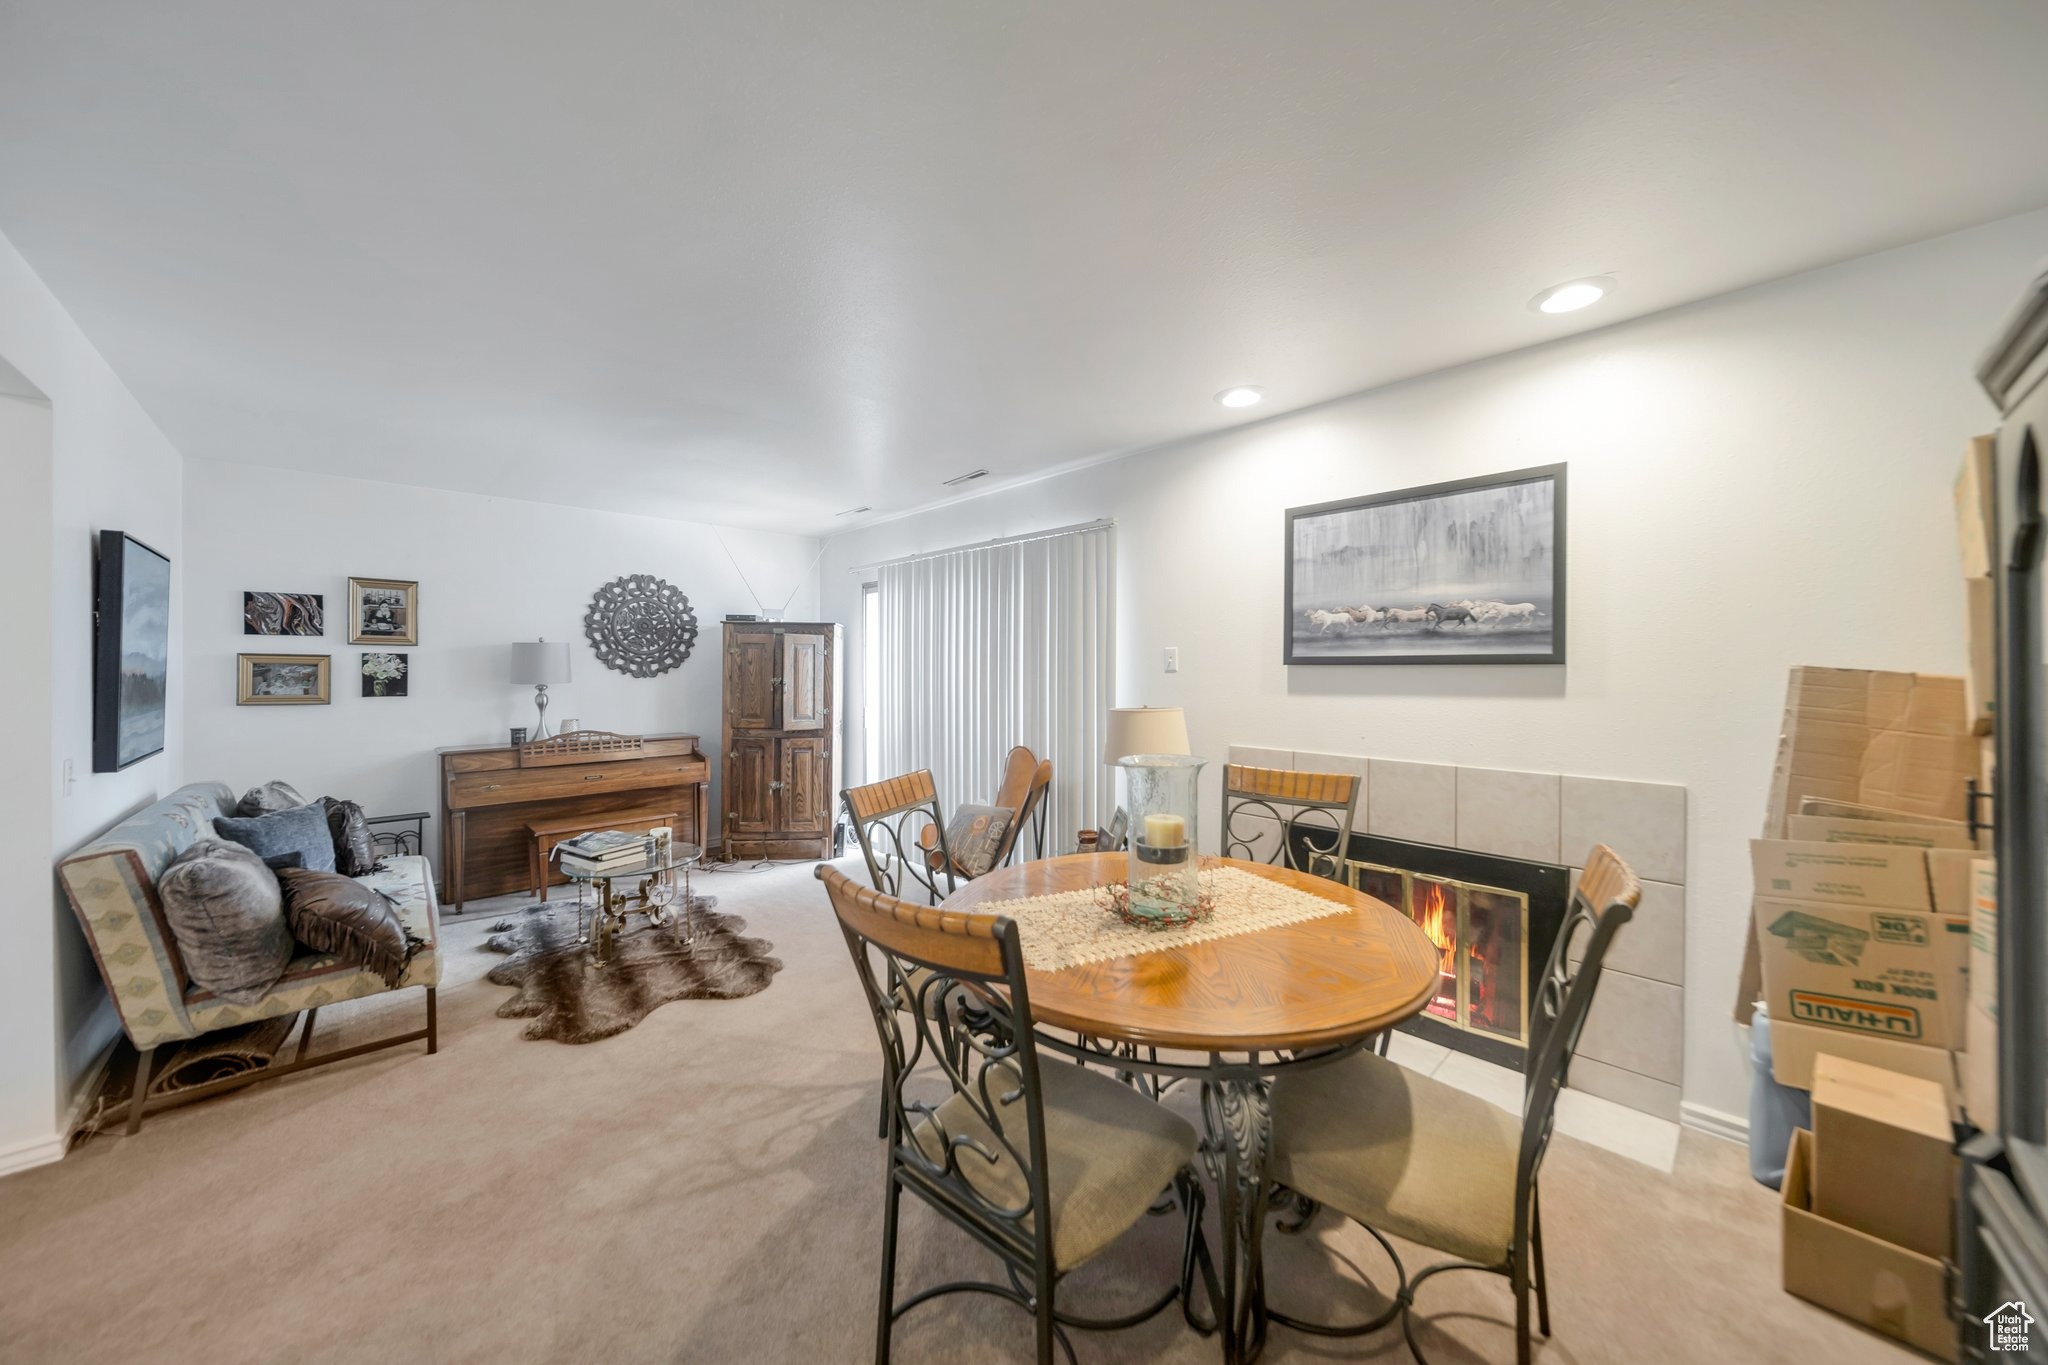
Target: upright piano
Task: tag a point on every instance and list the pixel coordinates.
(491, 793)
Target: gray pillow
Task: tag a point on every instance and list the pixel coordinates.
(974, 835)
(227, 915)
(268, 799)
(302, 830)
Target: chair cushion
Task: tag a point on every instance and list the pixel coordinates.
(224, 909)
(1109, 1152)
(301, 830)
(1401, 1153)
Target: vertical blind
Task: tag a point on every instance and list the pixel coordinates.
(992, 646)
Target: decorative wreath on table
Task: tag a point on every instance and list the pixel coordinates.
(1116, 899)
(640, 626)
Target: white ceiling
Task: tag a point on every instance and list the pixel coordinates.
(760, 262)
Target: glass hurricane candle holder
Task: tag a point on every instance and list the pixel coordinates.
(1165, 869)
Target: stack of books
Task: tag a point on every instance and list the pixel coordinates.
(603, 851)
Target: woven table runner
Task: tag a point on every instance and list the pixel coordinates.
(1068, 928)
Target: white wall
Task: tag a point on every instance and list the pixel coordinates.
(105, 467)
(1757, 481)
(491, 571)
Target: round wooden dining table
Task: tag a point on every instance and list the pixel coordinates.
(1247, 1006)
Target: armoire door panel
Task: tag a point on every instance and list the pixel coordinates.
(805, 696)
(750, 680)
(750, 801)
(806, 806)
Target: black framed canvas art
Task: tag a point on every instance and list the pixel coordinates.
(284, 613)
(1467, 572)
(385, 674)
(131, 652)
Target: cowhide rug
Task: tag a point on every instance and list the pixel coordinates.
(571, 999)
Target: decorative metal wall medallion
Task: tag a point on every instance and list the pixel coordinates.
(640, 625)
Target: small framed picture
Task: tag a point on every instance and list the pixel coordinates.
(284, 613)
(383, 611)
(384, 675)
(283, 680)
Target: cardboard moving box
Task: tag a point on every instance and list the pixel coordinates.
(1883, 1155)
(1796, 1047)
(1976, 509)
(1866, 1279)
(1880, 739)
(1980, 1018)
(1980, 624)
(1843, 829)
(1897, 974)
(1889, 875)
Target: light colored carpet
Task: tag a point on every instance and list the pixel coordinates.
(705, 1187)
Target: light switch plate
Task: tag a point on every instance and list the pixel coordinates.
(1172, 659)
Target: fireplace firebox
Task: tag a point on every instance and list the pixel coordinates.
(1493, 921)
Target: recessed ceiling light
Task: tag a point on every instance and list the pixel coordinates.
(968, 477)
(1572, 295)
(1243, 396)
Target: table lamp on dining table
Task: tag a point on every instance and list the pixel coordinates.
(1145, 730)
(538, 664)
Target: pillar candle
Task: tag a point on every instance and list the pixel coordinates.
(1166, 831)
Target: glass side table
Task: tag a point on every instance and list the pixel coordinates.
(640, 885)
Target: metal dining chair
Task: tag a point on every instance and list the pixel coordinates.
(1267, 811)
(1026, 779)
(1402, 1153)
(1042, 1162)
(898, 825)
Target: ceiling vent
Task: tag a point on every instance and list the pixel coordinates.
(854, 511)
(956, 481)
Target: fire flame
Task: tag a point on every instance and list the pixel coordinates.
(1431, 916)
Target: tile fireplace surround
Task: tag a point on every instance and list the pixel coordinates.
(1632, 1051)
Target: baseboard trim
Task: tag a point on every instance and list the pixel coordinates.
(1713, 1122)
(37, 1152)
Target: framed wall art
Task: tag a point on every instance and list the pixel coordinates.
(1468, 572)
(131, 652)
(284, 613)
(385, 674)
(383, 611)
(283, 680)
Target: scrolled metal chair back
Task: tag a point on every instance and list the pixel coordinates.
(1310, 817)
(1604, 900)
(888, 818)
(980, 1040)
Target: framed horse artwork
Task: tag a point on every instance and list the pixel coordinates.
(1467, 572)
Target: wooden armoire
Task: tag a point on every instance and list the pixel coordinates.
(781, 738)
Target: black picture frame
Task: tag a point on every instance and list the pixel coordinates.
(1430, 644)
(131, 652)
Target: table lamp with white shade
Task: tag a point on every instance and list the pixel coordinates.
(1145, 730)
(538, 664)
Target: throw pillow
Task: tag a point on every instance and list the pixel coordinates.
(268, 799)
(331, 913)
(355, 854)
(227, 916)
(302, 830)
(278, 862)
(974, 835)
